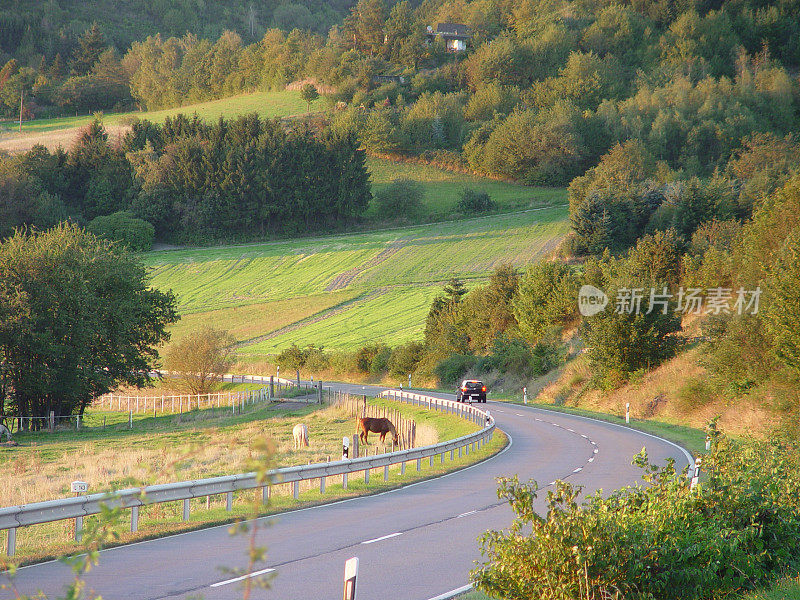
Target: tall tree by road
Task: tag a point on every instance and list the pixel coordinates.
(77, 318)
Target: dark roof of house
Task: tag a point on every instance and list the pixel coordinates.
(452, 29)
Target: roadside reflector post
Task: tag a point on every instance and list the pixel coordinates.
(345, 448)
(696, 477)
(525, 395)
(79, 488)
(350, 575)
(627, 412)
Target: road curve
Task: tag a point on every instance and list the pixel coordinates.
(413, 543)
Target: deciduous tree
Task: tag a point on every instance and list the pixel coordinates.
(77, 318)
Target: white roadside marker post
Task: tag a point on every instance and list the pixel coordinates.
(696, 476)
(78, 488)
(350, 575)
(345, 456)
(627, 412)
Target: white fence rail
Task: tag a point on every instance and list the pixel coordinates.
(13, 517)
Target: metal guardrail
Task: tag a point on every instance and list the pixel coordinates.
(78, 507)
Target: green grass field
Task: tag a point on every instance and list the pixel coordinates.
(266, 104)
(342, 291)
(442, 188)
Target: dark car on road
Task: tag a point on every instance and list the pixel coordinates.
(471, 390)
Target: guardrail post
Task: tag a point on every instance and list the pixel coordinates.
(78, 528)
(12, 541)
(403, 468)
(186, 509)
(451, 455)
(321, 485)
(229, 501)
(296, 490)
(265, 494)
(134, 519)
(344, 481)
(430, 460)
(419, 464)
(386, 473)
(366, 475)
(442, 458)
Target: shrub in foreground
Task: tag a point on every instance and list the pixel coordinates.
(739, 529)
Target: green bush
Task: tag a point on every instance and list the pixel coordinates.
(404, 359)
(376, 354)
(475, 201)
(453, 368)
(516, 356)
(738, 530)
(380, 362)
(125, 228)
(401, 198)
(695, 393)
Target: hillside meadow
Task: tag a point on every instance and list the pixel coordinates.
(346, 290)
(63, 131)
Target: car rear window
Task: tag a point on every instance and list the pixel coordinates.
(473, 384)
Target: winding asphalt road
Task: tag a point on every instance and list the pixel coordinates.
(413, 543)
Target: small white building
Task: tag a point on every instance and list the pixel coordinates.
(455, 35)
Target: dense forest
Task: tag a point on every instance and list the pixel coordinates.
(189, 180)
(544, 89)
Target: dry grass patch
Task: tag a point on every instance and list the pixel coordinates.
(679, 391)
(175, 448)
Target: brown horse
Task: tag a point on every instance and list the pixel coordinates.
(374, 425)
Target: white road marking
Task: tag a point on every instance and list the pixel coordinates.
(248, 576)
(519, 415)
(578, 470)
(472, 512)
(383, 537)
(572, 430)
(583, 435)
(552, 483)
(591, 459)
(595, 451)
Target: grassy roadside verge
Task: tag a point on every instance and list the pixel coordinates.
(690, 438)
(52, 540)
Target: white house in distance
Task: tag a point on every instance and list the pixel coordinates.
(455, 35)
